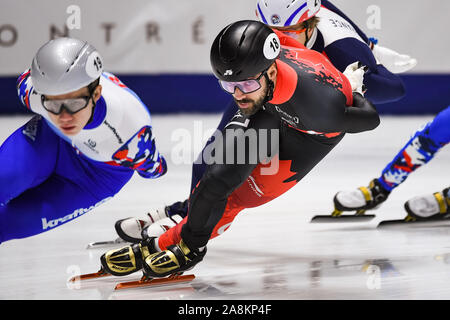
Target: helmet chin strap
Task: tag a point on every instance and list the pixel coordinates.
(91, 92)
(93, 111)
(306, 37)
(270, 89)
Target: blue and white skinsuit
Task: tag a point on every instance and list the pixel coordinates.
(48, 178)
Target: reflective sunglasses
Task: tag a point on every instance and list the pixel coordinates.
(70, 105)
(246, 86)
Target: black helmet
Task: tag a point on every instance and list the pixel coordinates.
(243, 49)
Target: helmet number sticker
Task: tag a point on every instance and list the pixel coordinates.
(94, 65)
(271, 47)
(98, 63)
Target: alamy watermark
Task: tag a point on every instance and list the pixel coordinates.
(230, 146)
(374, 280)
(73, 21)
(374, 19)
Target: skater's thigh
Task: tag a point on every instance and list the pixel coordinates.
(304, 151)
(440, 127)
(27, 158)
(43, 208)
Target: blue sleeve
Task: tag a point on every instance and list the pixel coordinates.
(382, 85)
(327, 4)
(140, 154)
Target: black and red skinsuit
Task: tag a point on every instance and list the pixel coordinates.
(312, 108)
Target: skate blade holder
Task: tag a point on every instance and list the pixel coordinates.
(337, 216)
(153, 282)
(143, 282)
(102, 244)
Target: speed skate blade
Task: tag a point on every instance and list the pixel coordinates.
(152, 282)
(414, 224)
(101, 244)
(342, 218)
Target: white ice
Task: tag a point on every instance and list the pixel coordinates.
(270, 252)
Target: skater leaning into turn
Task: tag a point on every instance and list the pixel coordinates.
(319, 26)
(290, 93)
(418, 151)
(89, 135)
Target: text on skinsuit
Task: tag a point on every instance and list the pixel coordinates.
(78, 212)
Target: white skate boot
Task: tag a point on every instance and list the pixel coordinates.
(358, 200)
(130, 229)
(361, 199)
(433, 206)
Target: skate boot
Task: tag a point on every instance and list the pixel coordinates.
(156, 229)
(130, 229)
(434, 206)
(175, 260)
(361, 199)
(129, 259)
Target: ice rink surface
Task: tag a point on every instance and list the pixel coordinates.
(270, 252)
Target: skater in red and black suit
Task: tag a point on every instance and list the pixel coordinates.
(294, 108)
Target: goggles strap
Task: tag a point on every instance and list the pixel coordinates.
(306, 36)
(93, 110)
(270, 88)
(91, 92)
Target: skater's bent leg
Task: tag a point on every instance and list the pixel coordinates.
(268, 187)
(418, 151)
(43, 208)
(173, 235)
(440, 127)
(76, 187)
(27, 158)
(199, 166)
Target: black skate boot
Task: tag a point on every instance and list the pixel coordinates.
(175, 260)
(129, 259)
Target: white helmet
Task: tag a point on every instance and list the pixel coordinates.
(284, 13)
(64, 65)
